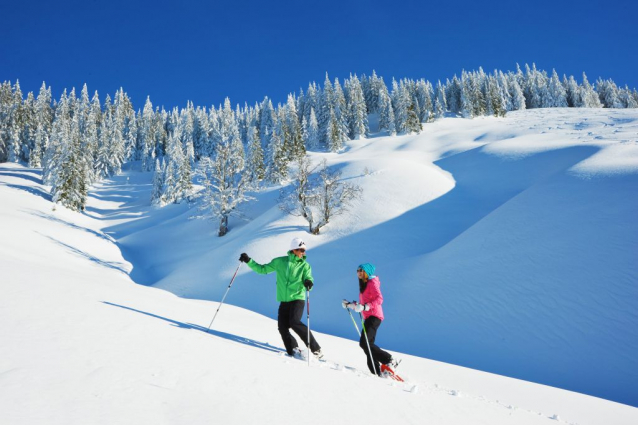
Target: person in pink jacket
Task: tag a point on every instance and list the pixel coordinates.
(370, 300)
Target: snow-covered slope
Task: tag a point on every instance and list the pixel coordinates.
(499, 247)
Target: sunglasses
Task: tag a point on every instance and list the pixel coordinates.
(359, 270)
(301, 250)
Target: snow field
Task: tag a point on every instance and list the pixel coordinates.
(82, 343)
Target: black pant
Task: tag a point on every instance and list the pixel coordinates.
(372, 324)
(289, 316)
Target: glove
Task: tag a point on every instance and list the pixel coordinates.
(361, 307)
(345, 303)
(308, 284)
(244, 258)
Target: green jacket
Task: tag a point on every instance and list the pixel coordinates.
(291, 273)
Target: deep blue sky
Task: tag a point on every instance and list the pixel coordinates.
(203, 51)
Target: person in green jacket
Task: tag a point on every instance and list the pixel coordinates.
(294, 277)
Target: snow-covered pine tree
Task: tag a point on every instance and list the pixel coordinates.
(400, 103)
(608, 94)
(147, 136)
(440, 105)
(588, 95)
(424, 97)
(43, 120)
(413, 125)
(336, 133)
(572, 92)
(311, 102)
(102, 160)
(557, 96)
(16, 118)
(311, 131)
(200, 134)
(479, 103)
(91, 137)
(357, 109)
(628, 98)
(294, 142)
(371, 92)
(179, 166)
(326, 105)
(255, 167)
(276, 158)
(29, 127)
(516, 94)
(60, 129)
(187, 127)
(386, 112)
(266, 121)
(158, 184)
(467, 107)
(453, 95)
(70, 183)
(6, 106)
(497, 103)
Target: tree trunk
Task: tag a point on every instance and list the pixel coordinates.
(223, 226)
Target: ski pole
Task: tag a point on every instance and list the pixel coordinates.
(354, 322)
(220, 304)
(308, 320)
(374, 367)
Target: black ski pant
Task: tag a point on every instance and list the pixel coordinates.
(371, 325)
(289, 317)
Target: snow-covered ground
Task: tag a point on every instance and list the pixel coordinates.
(506, 245)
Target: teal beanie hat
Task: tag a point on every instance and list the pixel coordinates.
(368, 268)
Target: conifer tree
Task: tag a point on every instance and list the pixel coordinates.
(266, 121)
(400, 103)
(588, 95)
(311, 131)
(277, 160)
(608, 94)
(337, 133)
(158, 184)
(29, 127)
(70, 183)
(386, 112)
(516, 94)
(453, 95)
(256, 169)
(148, 137)
(557, 96)
(6, 106)
(440, 105)
(16, 117)
(91, 136)
(413, 125)
(53, 156)
(43, 120)
(572, 92)
(357, 110)
(424, 99)
(627, 98)
(294, 143)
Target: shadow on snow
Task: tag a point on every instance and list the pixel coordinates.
(182, 325)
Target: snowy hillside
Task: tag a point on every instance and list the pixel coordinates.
(506, 245)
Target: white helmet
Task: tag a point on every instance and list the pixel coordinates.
(297, 243)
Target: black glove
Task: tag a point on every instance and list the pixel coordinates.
(308, 284)
(244, 258)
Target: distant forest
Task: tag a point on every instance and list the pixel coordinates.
(80, 140)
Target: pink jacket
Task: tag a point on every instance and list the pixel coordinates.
(372, 296)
